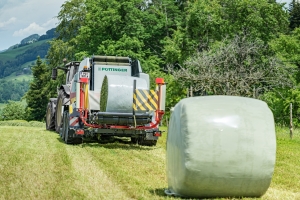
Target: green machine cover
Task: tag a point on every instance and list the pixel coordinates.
(220, 146)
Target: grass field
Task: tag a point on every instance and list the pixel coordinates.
(36, 164)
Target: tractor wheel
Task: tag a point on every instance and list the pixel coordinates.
(62, 97)
(63, 129)
(50, 116)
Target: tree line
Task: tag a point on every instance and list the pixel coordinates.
(12, 90)
(212, 47)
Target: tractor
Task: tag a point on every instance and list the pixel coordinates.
(104, 97)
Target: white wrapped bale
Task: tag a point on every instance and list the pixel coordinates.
(220, 146)
(117, 93)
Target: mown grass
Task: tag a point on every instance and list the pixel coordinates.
(22, 123)
(286, 180)
(35, 164)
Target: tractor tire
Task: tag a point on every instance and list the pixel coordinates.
(62, 132)
(50, 116)
(62, 96)
(65, 134)
(134, 140)
(65, 128)
(143, 142)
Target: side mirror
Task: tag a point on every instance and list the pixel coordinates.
(54, 74)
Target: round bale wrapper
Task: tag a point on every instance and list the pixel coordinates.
(117, 93)
(220, 146)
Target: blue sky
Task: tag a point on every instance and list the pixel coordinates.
(21, 18)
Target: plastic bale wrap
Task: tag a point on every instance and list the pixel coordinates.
(117, 93)
(220, 146)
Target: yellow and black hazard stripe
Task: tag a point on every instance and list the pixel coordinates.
(145, 100)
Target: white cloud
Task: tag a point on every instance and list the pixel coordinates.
(10, 21)
(25, 12)
(50, 23)
(33, 28)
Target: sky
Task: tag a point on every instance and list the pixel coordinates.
(22, 18)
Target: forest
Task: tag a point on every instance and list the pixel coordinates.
(12, 90)
(245, 48)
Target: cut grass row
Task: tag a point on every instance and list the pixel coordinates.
(35, 164)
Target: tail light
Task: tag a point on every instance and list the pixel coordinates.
(79, 132)
(157, 133)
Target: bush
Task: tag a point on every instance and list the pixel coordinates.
(14, 110)
(279, 102)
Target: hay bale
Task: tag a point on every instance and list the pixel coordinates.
(220, 146)
(117, 93)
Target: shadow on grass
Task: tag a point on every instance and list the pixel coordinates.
(161, 192)
(158, 192)
(113, 143)
(124, 145)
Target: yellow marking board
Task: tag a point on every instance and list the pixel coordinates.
(145, 100)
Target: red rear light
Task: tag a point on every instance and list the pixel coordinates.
(157, 133)
(79, 132)
(84, 80)
(159, 81)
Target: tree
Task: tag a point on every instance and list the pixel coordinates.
(37, 97)
(125, 27)
(208, 21)
(294, 9)
(287, 48)
(101, 29)
(14, 110)
(132, 28)
(166, 31)
(240, 66)
(12, 90)
(71, 17)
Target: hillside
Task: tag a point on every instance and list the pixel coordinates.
(13, 59)
(11, 54)
(38, 165)
(16, 62)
